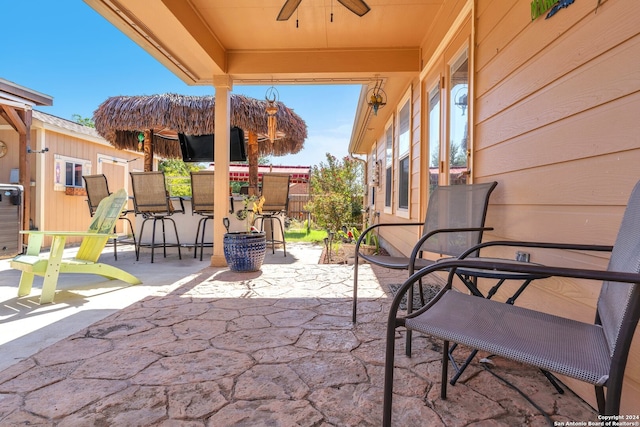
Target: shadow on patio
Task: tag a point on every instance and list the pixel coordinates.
(273, 348)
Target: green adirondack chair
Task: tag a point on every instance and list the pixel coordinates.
(94, 240)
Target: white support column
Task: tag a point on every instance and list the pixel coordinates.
(223, 85)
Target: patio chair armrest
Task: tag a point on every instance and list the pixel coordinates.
(386, 224)
(179, 199)
(532, 244)
(543, 271)
(416, 248)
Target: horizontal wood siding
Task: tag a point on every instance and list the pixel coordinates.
(556, 124)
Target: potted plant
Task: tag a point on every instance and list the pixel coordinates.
(245, 250)
(370, 244)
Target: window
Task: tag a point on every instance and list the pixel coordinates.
(73, 174)
(68, 171)
(459, 120)
(434, 136)
(388, 179)
(404, 143)
(375, 177)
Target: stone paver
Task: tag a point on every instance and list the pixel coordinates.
(273, 348)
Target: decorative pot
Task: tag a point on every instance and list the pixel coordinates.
(244, 251)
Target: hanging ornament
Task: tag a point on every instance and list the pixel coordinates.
(140, 141)
(272, 108)
(376, 98)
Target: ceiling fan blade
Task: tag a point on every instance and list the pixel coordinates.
(287, 10)
(359, 7)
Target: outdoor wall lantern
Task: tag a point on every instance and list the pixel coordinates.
(272, 96)
(376, 98)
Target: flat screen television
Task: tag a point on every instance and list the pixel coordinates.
(199, 148)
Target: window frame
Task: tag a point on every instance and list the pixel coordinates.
(60, 172)
(389, 165)
(404, 156)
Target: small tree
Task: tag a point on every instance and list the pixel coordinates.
(336, 192)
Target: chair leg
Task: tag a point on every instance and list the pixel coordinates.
(115, 245)
(133, 233)
(175, 229)
(204, 227)
(284, 244)
(445, 365)
(140, 238)
(354, 310)
(388, 374)
(153, 239)
(273, 243)
(164, 239)
(195, 244)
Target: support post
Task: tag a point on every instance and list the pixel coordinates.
(252, 156)
(148, 150)
(223, 84)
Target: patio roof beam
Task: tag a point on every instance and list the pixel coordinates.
(193, 24)
(369, 61)
(14, 119)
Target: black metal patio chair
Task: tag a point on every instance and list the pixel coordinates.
(594, 353)
(453, 223)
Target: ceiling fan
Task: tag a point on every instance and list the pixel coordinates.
(359, 7)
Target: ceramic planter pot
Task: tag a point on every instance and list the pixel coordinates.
(244, 251)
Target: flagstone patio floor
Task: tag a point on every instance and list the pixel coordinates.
(271, 348)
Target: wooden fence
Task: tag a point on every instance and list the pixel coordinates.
(296, 207)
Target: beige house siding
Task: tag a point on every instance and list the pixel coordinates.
(555, 106)
(555, 122)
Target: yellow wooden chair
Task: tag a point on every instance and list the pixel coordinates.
(52, 264)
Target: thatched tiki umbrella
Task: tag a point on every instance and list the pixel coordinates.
(153, 122)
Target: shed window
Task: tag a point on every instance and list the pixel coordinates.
(73, 174)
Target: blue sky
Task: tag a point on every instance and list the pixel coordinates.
(68, 51)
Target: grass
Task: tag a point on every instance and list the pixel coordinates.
(301, 235)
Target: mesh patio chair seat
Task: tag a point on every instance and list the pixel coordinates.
(151, 200)
(454, 222)
(594, 353)
(97, 189)
(275, 189)
(202, 193)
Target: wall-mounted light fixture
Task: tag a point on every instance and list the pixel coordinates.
(30, 151)
(376, 97)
